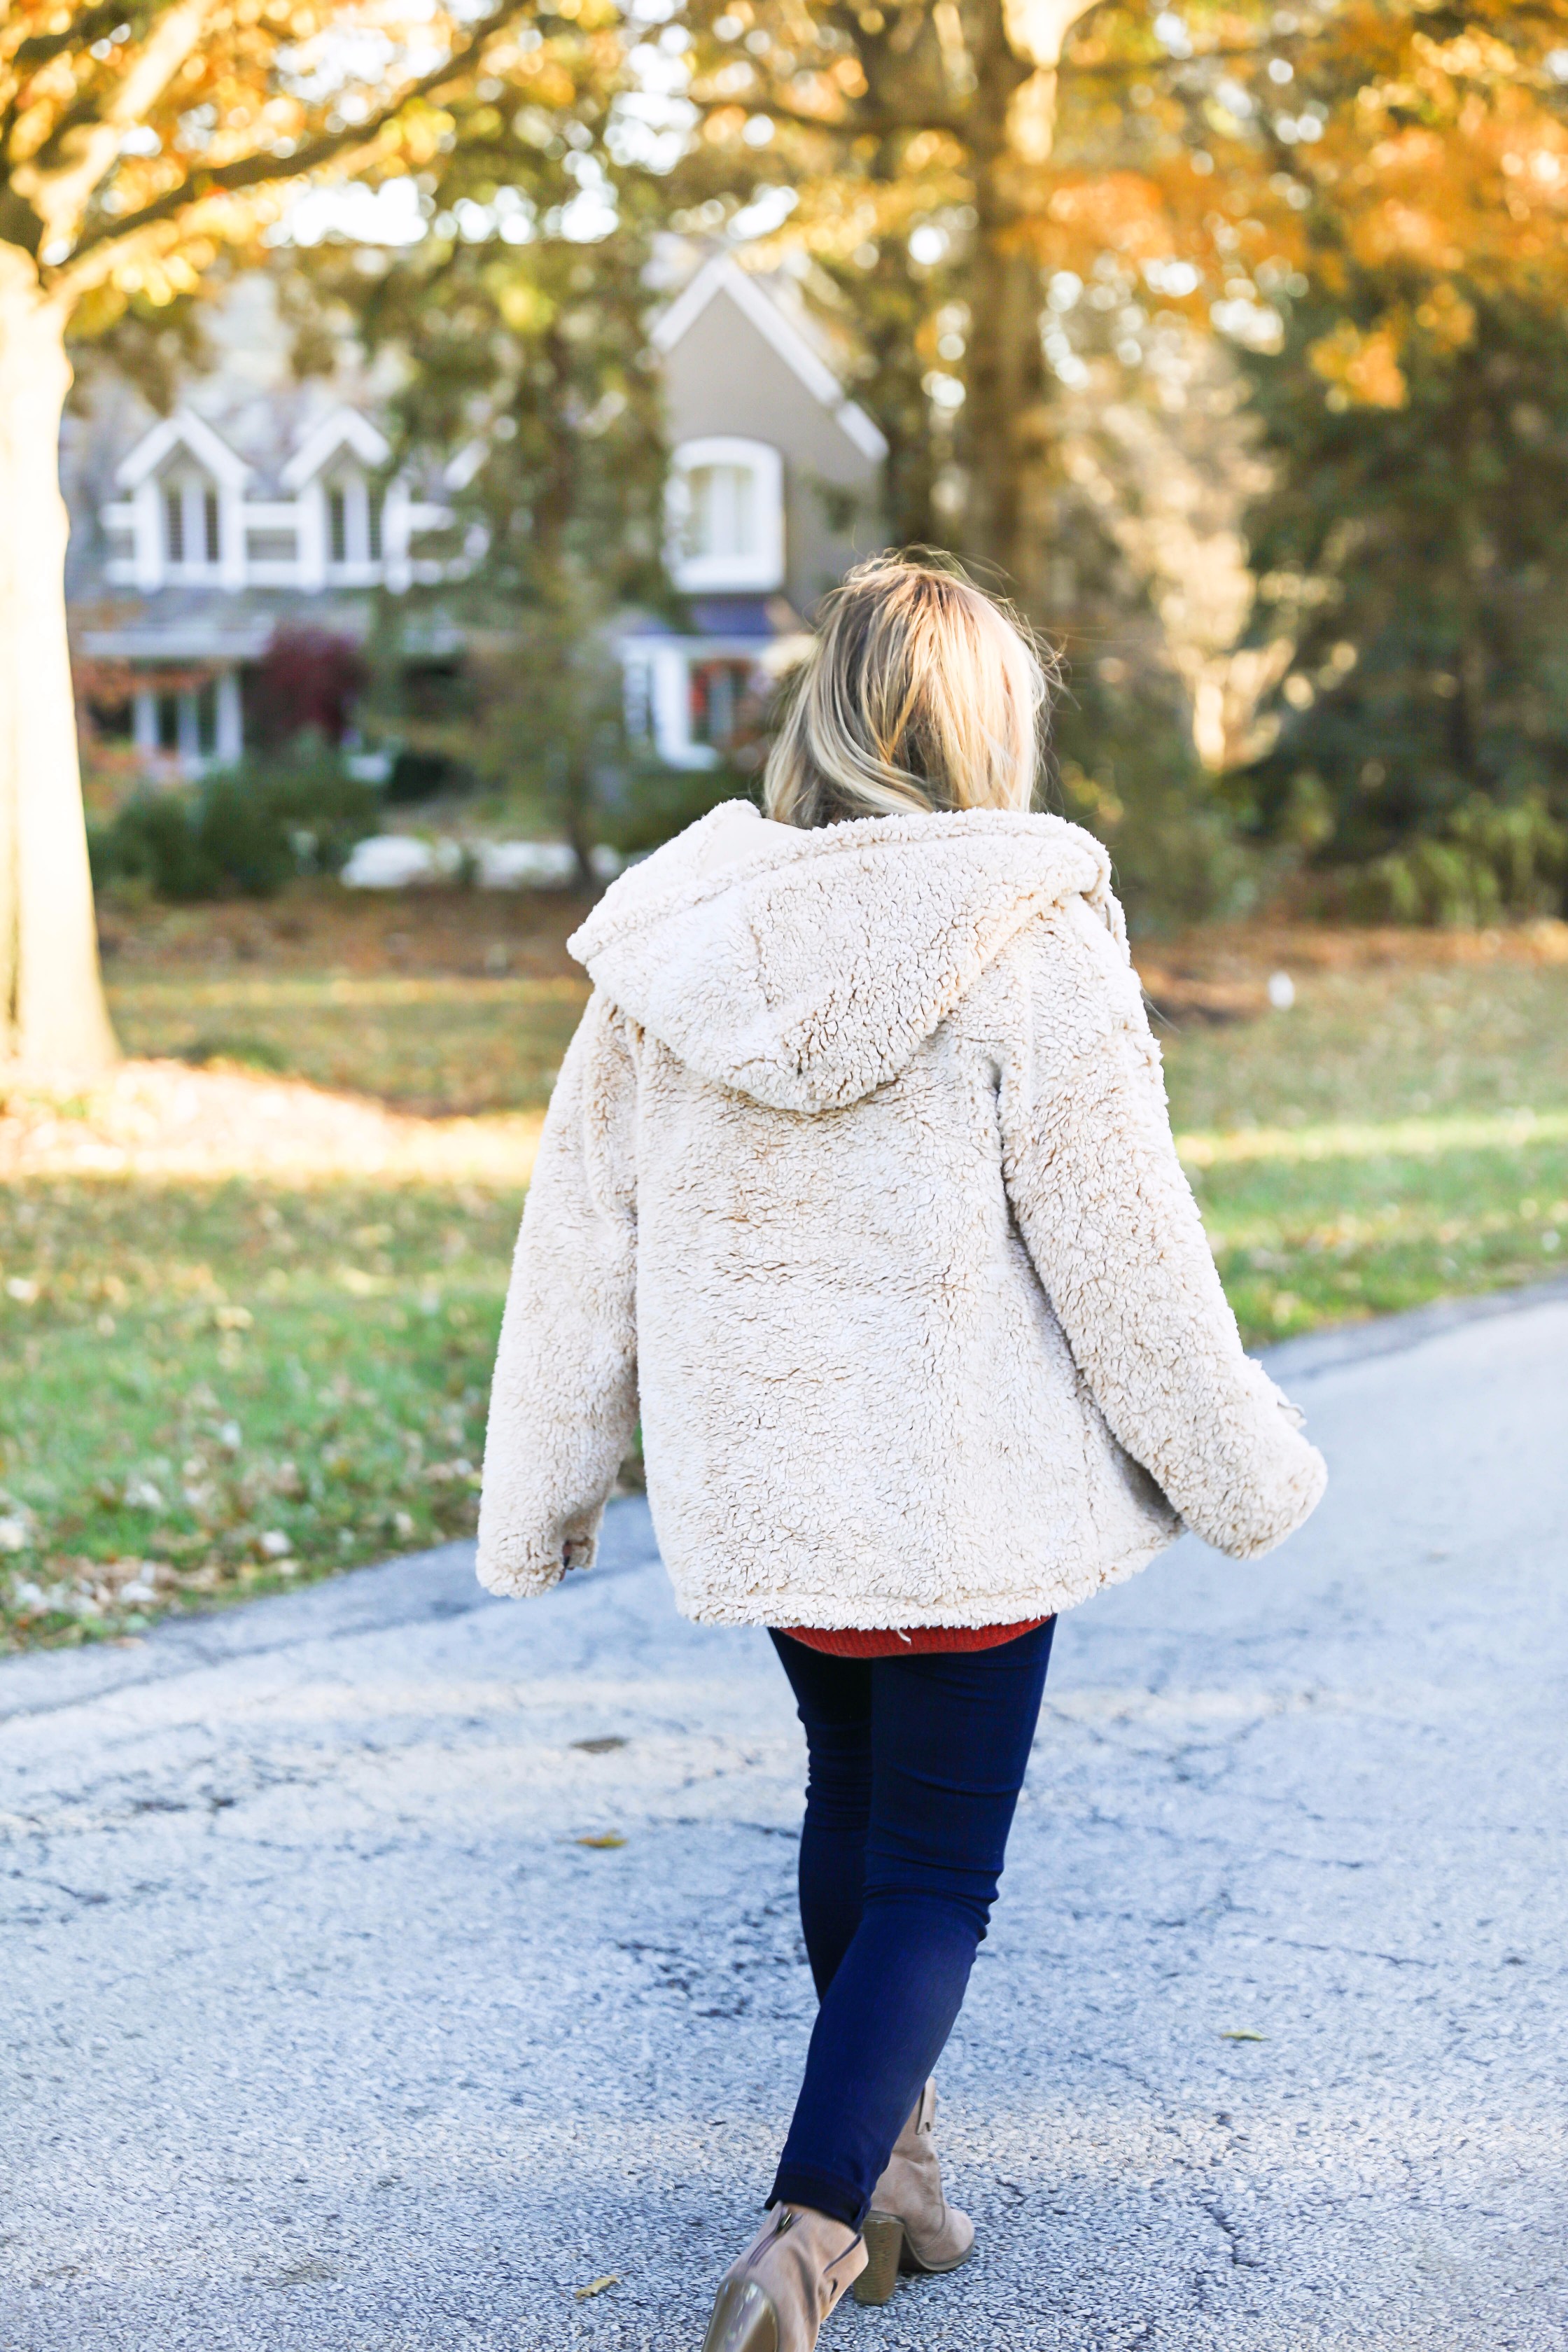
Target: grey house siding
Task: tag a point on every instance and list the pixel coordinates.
(723, 377)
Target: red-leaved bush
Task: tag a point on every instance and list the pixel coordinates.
(306, 678)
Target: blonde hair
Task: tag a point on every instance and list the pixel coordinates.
(921, 692)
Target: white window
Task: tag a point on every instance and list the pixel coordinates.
(726, 515)
(352, 522)
(723, 520)
(192, 536)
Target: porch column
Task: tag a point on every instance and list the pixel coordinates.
(189, 734)
(671, 683)
(230, 744)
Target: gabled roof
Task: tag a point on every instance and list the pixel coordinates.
(724, 276)
(344, 428)
(184, 429)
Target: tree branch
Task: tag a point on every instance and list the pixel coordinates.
(39, 48)
(857, 122)
(255, 171)
(1113, 68)
(60, 194)
(19, 224)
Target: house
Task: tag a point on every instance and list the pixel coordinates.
(775, 490)
(261, 503)
(196, 534)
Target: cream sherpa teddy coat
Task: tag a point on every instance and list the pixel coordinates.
(858, 1180)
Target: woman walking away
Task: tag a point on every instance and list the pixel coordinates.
(859, 1179)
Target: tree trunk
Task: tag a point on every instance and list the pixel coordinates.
(1004, 313)
(1007, 427)
(52, 1013)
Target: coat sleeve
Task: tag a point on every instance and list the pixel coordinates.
(1108, 1218)
(564, 1401)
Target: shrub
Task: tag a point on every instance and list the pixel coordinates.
(324, 809)
(655, 803)
(153, 843)
(1483, 862)
(243, 841)
(243, 833)
(308, 681)
(424, 775)
(1123, 766)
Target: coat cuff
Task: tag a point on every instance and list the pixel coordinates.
(520, 1570)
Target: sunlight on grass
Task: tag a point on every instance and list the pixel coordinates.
(1321, 1212)
(1402, 1138)
(1301, 1239)
(440, 1043)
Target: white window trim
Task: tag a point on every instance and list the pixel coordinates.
(192, 486)
(182, 449)
(714, 573)
(356, 567)
(663, 687)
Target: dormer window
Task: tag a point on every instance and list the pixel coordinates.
(192, 525)
(353, 521)
(196, 515)
(726, 515)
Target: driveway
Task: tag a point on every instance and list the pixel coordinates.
(327, 2024)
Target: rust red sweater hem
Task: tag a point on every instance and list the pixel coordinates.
(874, 1642)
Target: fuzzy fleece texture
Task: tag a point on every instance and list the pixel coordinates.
(858, 1180)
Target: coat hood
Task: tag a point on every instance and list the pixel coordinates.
(809, 967)
(805, 969)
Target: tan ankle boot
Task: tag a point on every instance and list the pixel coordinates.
(911, 2226)
(777, 2295)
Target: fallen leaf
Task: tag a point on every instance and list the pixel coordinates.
(605, 1838)
(597, 2286)
(1241, 2034)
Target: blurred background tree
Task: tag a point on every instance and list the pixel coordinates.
(1068, 243)
(931, 173)
(1226, 337)
(1412, 542)
(137, 143)
(521, 325)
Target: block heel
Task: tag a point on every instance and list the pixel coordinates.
(884, 2236)
(936, 2236)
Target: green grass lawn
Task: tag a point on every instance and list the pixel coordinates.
(223, 1388)
(1398, 1136)
(210, 1390)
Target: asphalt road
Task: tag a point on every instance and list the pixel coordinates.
(323, 2029)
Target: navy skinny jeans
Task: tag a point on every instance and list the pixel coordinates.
(915, 1764)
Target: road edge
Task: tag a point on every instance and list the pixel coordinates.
(1391, 1335)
